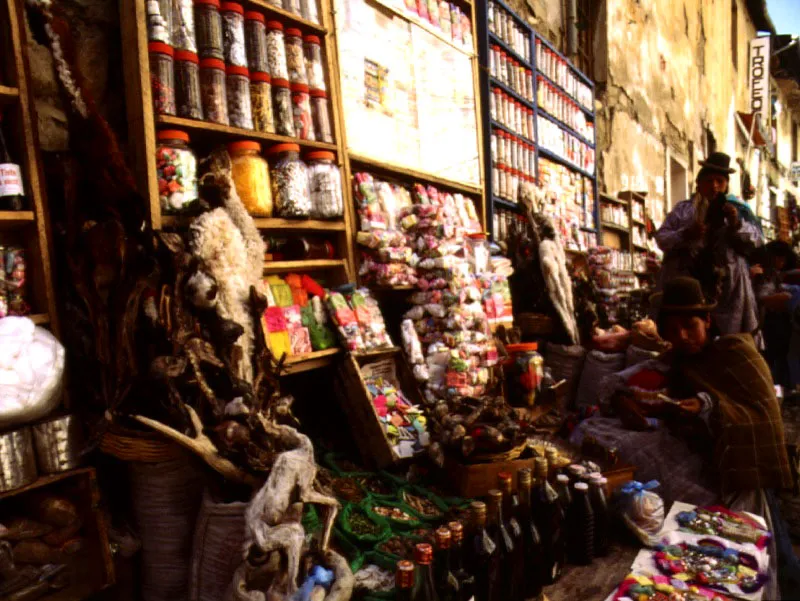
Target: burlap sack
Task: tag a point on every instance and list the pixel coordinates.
(596, 368)
(566, 363)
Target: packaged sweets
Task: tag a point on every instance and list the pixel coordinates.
(183, 37)
(301, 111)
(370, 320)
(250, 174)
(282, 108)
(325, 183)
(162, 84)
(261, 102)
(313, 59)
(159, 21)
(238, 94)
(208, 29)
(212, 90)
(233, 43)
(187, 85)
(255, 35)
(321, 117)
(290, 191)
(295, 60)
(176, 169)
(345, 321)
(276, 51)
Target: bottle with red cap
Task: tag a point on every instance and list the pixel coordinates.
(12, 192)
(446, 583)
(162, 83)
(276, 51)
(208, 29)
(458, 565)
(424, 585)
(505, 544)
(295, 58)
(404, 580)
(233, 44)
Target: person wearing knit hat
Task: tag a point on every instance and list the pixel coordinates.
(705, 237)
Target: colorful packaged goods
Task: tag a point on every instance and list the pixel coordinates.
(404, 423)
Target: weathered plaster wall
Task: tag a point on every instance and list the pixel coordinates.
(545, 16)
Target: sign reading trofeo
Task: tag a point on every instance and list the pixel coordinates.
(759, 78)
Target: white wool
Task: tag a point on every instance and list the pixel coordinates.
(559, 285)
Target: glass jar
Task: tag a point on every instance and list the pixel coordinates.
(250, 174)
(276, 51)
(183, 37)
(237, 81)
(325, 185)
(321, 116)
(261, 102)
(234, 47)
(159, 21)
(162, 84)
(208, 29)
(255, 36)
(290, 191)
(295, 61)
(282, 108)
(176, 170)
(309, 10)
(524, 371)
(212, 90)
(187, 85)
(293, 6)
(314, 69)
(301, 111)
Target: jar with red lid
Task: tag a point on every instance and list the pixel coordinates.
(276, 51)
(240, 112)
(295, 61)
(309, 10)
(162, 84)
(314, 70)
(293, 6)
(250, 174)
(159, 21)
(321, 116)
(282, 108)
(261, 102)
(301, 110)
(233, 44)
(183, 37)
(176, 170)
(208, 29)
(255, 37)
(187, 85)
(290, 191)
(212, 90)
(325, 185)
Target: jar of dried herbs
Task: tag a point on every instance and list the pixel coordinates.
(240, 113)
(290, 192)
(282, 108)
(162, 84)
(276, 51)
(212, 90)
(187, 85)
(295, 61)
(261, 102)
(321, 116)
(255, 36)
(208, 29)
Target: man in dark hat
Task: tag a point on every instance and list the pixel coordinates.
(705, 237)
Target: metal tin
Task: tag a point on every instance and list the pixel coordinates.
(17, 460)
(58, 444)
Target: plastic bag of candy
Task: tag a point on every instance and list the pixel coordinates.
(345, 320)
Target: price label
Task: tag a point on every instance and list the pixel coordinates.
(10, 180)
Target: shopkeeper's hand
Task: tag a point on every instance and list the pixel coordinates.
(731, 215)
(692, 406)
(695, 231)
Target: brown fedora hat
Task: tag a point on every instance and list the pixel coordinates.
(681, 295)
(718, 161)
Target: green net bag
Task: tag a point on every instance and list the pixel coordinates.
(348, 550)
(361, 526)
(424, 503)
(399, 515)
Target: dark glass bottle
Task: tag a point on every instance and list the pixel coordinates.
(484, 554)
(581, 548)
(500, 534)
(404, 580)
(11, 189)
(424, 585)
(602, 518)
(446, 583)
(549, 519)
(534, 549)
(511, 511)
(466, 581)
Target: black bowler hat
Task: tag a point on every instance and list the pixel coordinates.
(681, 295)
(718, 161)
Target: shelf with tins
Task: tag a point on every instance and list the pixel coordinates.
(565, 127)
(496, 83)
(545, 56)
(27, 230)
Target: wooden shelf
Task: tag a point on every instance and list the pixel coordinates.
(615, 227)
(404, 173)
(199, 129)
(299, 363)
(308, 265)
(39, 319)
(43, 481)
(8, 94)
(376, 353)
(13, 219)
(609, 198)
(271, 9)
(267, 223)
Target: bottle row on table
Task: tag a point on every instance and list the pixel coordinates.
(511, 151)
(559, 105)
(283, 92)
(213, 29)
(510, 72)
(502, 24)
(285, 186)
(563, 144)
(511, 113)
(558, 69)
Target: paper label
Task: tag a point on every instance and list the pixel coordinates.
(10, 180)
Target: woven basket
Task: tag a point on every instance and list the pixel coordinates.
(132, 445)
(535, 324)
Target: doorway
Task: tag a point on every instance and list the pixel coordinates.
(678, 182)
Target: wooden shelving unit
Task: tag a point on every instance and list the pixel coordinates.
(300, 363)
(30, 228)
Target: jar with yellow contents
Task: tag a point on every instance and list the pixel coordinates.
(250, 173)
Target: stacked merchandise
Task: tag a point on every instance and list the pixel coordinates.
(295, 319)
(358, 319)
(387, 259)
(614, 278)
(569, 198)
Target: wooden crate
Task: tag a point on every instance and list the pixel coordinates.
(373, 445)
(91, 568)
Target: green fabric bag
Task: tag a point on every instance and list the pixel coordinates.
(437, 504)
(351, 552)
(380, 527)
(398, 525)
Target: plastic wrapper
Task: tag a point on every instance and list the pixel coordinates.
(642, 509)
(345, 320)
(370, 320)
(411, 343)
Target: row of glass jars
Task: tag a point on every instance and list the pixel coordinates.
(506, 182)
(510, 150)
(511, 113)
(211, 28)
(563, 108)
(510, 72)
(505, 27)
(292, 188)
(557, 69)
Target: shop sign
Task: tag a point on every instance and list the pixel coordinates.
(759, 77)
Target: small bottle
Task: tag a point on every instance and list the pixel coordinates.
(484, 554)
(511, 513)
(466, 581)
(424, 585)
(404, 580)
(446, 583)
(602, 518)
(534, 547)
(581, 548)
(550, 519)
(502, 538)
(12, 193)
